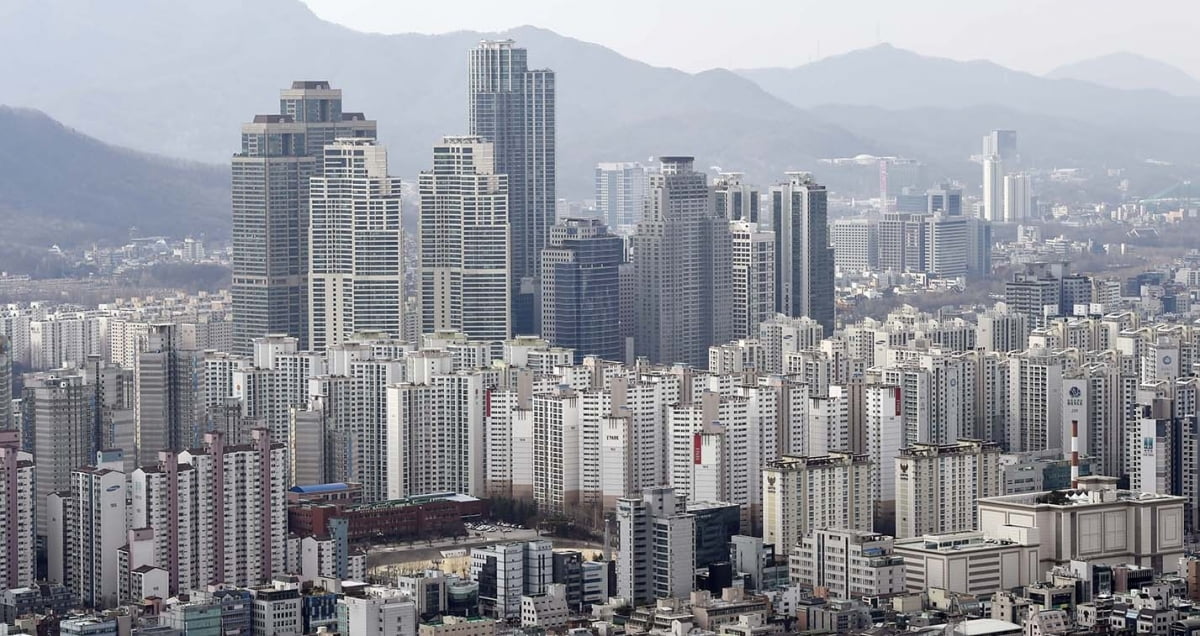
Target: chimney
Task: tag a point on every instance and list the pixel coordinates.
(1074, 454)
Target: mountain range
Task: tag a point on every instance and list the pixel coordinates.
(178, 79)
(58, 186)
(1130, 71)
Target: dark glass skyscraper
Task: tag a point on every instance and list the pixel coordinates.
(581, 289)
(513, 107)
(270, 208)
(803, 258)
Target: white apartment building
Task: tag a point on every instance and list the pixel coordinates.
(1035, 393)
(782, 334)
(883, 425)
(937, 485)
(356, 268)
(848, 564)
(435, 428)
(804, 494)
(464, 241)
(753, 277)
(86, 527)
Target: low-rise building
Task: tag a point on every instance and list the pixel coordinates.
(1096, 523)
(972, 562)
(848, 564)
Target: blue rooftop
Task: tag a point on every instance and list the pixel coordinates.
(316, 489)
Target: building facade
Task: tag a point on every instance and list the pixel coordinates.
(271, 173)
(356, 264)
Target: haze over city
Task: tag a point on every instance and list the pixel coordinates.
(521, 318)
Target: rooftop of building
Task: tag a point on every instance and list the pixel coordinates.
(314, 489)
(968, 541)
(1092, 491)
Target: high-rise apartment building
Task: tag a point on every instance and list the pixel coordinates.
(581, 289)
(682, 265)
(753, 283)
(356, 275)
(17, 547)
(993, 189)
(271, 173)
(170, 400)
(804, 261)
(804, 494)
(620, 194)
(435, 428)
(1018, 198)
(86, 529)
(57, 409)
(218, 513)
(657, 554)
(937, 485)
(465, 241)
(512, 107)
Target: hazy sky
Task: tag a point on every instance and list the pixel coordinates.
(1031, 35)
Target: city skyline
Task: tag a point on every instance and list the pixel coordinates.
(862, 397)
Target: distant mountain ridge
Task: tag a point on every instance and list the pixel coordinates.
(58, 186)
(1130, 71)
(168, 89)
(179, 78)
(887, 77)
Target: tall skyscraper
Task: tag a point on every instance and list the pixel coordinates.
(944, 198)
(979, 248)
(620, 193)
(356, 278)
(734, 200)
(512, 107)
(803, 259)
(581, 289)
(753, 283)
(1003, 144)
(464, 242)
(57, 409)
(270, 208)
(170, 402)
(683, 269)
(993, 189)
